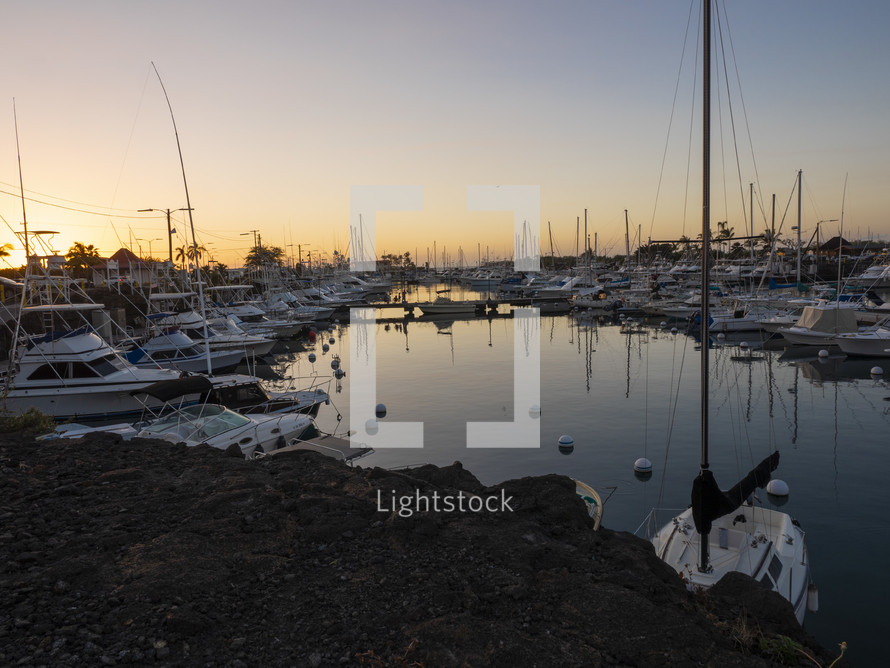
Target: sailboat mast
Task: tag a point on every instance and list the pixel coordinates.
(799, 179)
(704, 563)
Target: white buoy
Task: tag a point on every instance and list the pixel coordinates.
(721, 336)
(673, 330)
(877, 371)
(312, 358)
(566, 441)
(743, 345)
(664, 323)
(823, 353)
(371, 427)
(337, 321)
(622, 317)
(380, 410)
(534, 412)
(324, 348)
(643, 465)
(777, 487)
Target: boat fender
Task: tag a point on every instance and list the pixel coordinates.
(812, 598)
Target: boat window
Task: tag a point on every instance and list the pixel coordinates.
(251, 393)
(775, 567)
(765, 580)
(49, 371)
(105, 365)
(82, 370)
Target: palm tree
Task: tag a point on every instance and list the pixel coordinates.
(182, 255)
(4, 250)
(80, 258)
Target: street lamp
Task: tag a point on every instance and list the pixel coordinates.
(170, 229)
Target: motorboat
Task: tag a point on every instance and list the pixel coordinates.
(820, 325)
(171, 349)
(76, 375)
(445, 306)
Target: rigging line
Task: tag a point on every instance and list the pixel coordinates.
(671, 119)
(672, 411)
(744, 113)
(692, 119)
(69, 208)
(732, 122)
(126, 153)
(61, 199)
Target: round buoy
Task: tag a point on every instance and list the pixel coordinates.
(777, 487)
(622, 317)
(566, 441)
(339, 373)
(312, 335)
(335, 364)
(823, 353)
(643, 465)
(324, 348)
(877, 371)
(371, 427)
(534, 412)
(664, 323)
(337, 321)
(331, 340)
(743, 345)
(673, 330)
(312, 358)
(380, 410)
(721, 336)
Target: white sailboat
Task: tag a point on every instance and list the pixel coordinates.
(722, 532)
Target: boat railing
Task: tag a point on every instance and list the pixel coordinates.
(655, 519)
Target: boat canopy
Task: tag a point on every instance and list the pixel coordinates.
(165, 390)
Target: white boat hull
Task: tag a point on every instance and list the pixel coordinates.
(765, 544)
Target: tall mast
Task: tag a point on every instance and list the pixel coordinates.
(799, 178)
(704, 563)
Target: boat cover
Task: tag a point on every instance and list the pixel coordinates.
(709, 502)
(165, 390)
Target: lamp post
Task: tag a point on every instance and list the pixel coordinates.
(170, 229)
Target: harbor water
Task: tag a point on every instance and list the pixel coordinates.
(628, 390)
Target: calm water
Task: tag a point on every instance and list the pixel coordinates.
(626, 395)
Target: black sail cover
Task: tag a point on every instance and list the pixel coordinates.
(709, 502)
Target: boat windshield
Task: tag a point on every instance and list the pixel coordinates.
(197, 422)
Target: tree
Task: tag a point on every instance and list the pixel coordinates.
(80, 258)
(261, 255)
(4, 250)
(189, 253)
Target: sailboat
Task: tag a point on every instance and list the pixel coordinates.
(722, 532)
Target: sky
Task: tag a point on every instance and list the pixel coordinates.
(282, 108)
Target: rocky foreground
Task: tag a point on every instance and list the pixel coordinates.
(149, 553)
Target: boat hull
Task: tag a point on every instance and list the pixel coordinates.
(762, 543)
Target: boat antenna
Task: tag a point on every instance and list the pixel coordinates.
(704, 564)
(188, 205)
